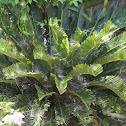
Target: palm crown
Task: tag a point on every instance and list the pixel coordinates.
(73, 81)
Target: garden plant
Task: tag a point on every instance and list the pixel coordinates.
(59, 77)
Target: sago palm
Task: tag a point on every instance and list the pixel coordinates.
(65, 82)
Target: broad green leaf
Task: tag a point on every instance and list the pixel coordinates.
(75, 3)
(30, 1)
(39, 111)
(17, 68)
(26, 25)
(42, 66)
(113, 83)
(86, 95)
(86, 46)
(65, 19)
(10, 27)
(62, 43)
(119, 17)
(108, 102)
(16, 2)
(2, 103)
(9, 103)
(39, 91)
(105, 2)
(81, 17)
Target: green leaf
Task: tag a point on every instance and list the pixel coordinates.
(71, 55)
(3, 61)
(105, 2)
(78, 36)
(81, 98)
(10, 27)
(61, 85)
(16, 2)
(80, 69)
(22, 70)
(39, 91)
(39, 111)
(17, 68)
(41, 94)
(86, 95)
(65, 19)
(26, 25)
(62, 114)
(41, 53)
(93, 42)
(119, 55)
(75, 3)
(113, 83)
(62, 43)
(109, 49)
(35, 1)
(108, 102)
(9, 49)
(38, 75)
(30, 1)
(11, 82)
(111, 68)
(79, 108)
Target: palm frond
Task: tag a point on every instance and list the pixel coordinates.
(109, 50)
(8, 48)
(113, 83)
(11, 30)
(12, 82)
(81, 69)
(80, 108)
(41, 53)
(41, 94)
(70, 55)
(22, 70)
(26, 24)
(62, 43)
(92, 42)
(83, 95)
(4, 61)
(38, 113)
(62, 114)
(78, 70)
(111, 107)
(77, 36)
(111, 68)
(116, 56)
